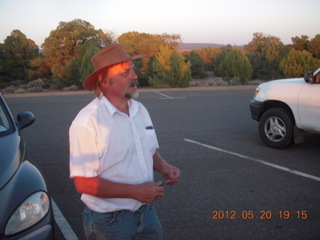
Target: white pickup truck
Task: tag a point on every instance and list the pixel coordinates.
(287, 108)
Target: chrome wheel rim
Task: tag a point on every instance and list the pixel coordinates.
(275, 129)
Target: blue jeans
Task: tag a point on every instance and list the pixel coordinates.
(142, 224)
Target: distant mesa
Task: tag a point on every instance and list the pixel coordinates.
(193, 46)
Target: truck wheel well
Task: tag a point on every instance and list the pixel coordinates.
(276, 104)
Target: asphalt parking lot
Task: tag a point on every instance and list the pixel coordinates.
(232, 185)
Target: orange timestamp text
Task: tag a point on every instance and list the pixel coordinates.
(263, 214)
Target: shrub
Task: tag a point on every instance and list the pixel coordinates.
(36, 83)
(236, 81)
(212, 83)
(9, 89)
(36, 89)
(71, 88)
(194, 84)
(20, 91)
(255, 82)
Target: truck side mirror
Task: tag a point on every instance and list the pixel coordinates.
(308, 77)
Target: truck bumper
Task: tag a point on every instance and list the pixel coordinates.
(256, 108)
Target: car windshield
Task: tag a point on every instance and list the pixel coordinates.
(5, 123)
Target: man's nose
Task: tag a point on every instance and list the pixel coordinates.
(133, 75)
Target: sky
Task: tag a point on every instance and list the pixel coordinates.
(197, 21)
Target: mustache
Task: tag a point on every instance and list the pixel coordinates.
(133, 84)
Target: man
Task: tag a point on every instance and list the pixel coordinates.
(113, 152)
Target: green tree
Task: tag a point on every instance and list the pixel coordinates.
(61, 48)
(208, 54)
(157, 75)
(40, 68)
(17, 52)
(85, 54)
(301, 43)
(149, 44)
(265, 53)
(235, 64)
(314, 46)
(298, 63)
(161, 67)
(137, 43)
(218, 59)
(198, 69)
(170, 68)
(181, 72)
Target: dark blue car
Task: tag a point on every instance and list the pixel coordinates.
(25, 205)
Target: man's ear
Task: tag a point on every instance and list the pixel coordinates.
(103, 84)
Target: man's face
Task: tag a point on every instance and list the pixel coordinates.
(121, 81)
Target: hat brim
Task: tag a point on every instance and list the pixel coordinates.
(90, 82)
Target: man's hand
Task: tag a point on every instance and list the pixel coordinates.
(170, 173)
(149, 192)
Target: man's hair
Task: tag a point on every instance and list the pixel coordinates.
(101, 79)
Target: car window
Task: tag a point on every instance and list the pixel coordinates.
(317, 78)
(5, 125)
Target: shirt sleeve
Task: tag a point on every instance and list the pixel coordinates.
(84, 156)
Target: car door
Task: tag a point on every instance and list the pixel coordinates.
(309, 107)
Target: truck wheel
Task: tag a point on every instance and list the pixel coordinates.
(276, 128)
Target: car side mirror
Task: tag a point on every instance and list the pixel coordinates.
(25, 119)
(308, 77)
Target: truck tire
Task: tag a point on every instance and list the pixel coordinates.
(276, 128)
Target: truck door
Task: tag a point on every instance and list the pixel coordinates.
(309, 107)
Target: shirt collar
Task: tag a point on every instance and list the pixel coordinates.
(133, 107)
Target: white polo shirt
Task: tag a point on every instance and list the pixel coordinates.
(107, 143)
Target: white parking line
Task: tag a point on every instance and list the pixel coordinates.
(62, 223)
(256, 160)
(164, 95)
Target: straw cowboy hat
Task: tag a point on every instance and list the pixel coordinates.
(107, 57)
